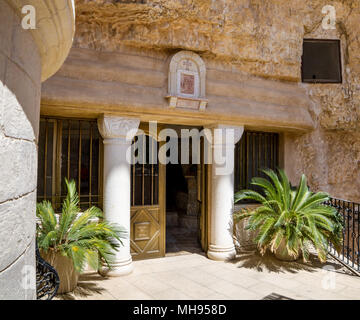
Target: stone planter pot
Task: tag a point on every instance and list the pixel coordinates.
(65, 268)
(282, 254)
(244, 239)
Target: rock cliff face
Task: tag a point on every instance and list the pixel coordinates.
(259, 38)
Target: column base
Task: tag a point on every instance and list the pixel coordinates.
(221, 253)
(119, 268)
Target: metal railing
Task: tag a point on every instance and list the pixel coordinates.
(350, 251)
(47, 279)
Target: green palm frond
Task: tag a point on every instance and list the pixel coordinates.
(301, 194)
(46, 214)
(81, 236)
(70, 208)
(248, 195)
(294, 215)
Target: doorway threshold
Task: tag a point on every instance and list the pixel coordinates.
(184, 252)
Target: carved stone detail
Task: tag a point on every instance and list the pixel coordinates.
(187, 76)
(111, 127)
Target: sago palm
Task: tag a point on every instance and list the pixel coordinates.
(294, 217)
(81, 236)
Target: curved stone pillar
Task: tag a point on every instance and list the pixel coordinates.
(26, 58)
(221, 245)
(117, 179)
(53, 33)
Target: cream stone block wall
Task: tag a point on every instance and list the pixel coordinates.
(20, 74)
(134, 83)
(26, 58)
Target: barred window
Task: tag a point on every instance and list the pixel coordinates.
(254, 152)
(71, 149)
(145, 175)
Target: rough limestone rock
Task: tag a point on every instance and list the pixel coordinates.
(262, 39)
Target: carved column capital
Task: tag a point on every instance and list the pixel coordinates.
(115, 128)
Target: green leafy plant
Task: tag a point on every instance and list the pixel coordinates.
(292, 216)
(81, 236)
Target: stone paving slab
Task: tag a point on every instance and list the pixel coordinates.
(248, 277)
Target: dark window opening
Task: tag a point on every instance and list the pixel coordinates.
(71, 149)
(321, 61)
(254, 152)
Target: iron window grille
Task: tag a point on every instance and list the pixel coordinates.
(72, 149)
(254, 152)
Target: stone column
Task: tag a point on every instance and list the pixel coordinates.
(27, 57)
(221, 245)
(117, 177)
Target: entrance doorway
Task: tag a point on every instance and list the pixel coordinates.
(168, 202)
(183, 209)
(185, 199)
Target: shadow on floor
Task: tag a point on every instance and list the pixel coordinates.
(86, 287)
(252, 259)
(276, 296)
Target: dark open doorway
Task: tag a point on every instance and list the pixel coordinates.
(182, 209)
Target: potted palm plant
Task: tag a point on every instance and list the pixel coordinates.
(72, 239)
(290, 220)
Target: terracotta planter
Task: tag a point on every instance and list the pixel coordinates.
(65, 268)
(282, 254)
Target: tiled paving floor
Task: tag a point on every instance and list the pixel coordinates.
(250, 276)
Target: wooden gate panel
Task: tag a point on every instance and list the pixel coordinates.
(146, 235)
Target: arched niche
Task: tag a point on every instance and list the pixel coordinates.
(187, 76)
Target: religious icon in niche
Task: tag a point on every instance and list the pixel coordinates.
(187, 84)
(187, 75)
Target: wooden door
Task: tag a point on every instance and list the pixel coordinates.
(147, 227)
(203, 198)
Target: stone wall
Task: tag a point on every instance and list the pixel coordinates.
(20, 63)
(27, 56)
(330, 155)
(258, 38)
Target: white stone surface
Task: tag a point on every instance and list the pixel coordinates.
(117, 183)
(22, 113)
(18, 279)
(26, 57)
(17, 225)
(18, 168)
(221, 245)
